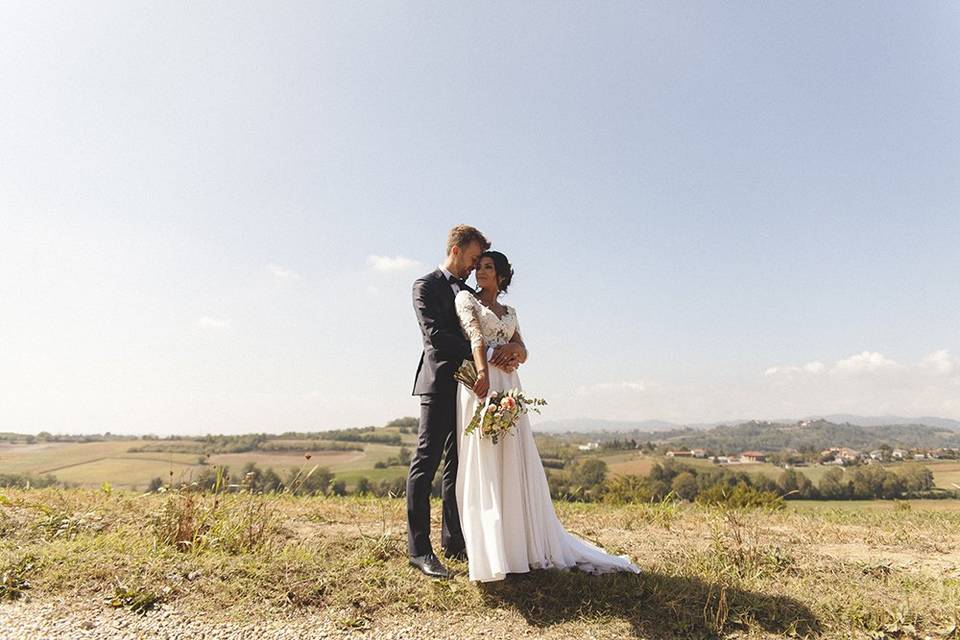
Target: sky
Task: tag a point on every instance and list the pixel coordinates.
(211, 213)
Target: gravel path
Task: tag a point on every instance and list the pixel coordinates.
(59, 619)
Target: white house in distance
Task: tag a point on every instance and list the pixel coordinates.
(693, 453)
(753, 456)
(841, 455)
(590, 446)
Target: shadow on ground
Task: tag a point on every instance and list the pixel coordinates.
(656, 605)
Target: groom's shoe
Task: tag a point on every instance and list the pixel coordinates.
(430, 565)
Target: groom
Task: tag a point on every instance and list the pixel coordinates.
(444, 348)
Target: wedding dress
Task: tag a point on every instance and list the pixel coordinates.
(508, 520)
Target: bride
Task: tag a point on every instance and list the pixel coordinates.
(507, 517)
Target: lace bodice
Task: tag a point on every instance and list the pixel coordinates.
(482, 325)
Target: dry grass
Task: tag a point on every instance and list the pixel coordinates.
(808, 572)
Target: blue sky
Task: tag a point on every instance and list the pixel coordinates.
(212, 213)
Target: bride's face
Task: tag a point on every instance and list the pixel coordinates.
(487, 274)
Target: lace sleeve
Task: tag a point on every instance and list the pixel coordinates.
(469, 316)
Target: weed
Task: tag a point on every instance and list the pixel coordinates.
(137, 599)
(239, 523)
(13, 578)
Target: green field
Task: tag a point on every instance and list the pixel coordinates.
(93, 463)
(946, 473)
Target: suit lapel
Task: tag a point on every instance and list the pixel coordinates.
(442, 282)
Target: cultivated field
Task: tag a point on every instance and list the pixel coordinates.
(946, 473)
(287, 567)
(91, 464)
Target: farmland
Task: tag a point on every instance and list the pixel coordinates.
(90, 464)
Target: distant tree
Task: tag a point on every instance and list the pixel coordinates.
(315, 482)
(789, 482)
(270, 482)
(685, 486)
(589, 474)
(834, 486)
(406, 422)
(627, 489)
(917, 479)
(391, 488)
(363, 486)
(794, 485)
(763, 482)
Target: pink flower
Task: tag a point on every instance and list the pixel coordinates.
(508, 403)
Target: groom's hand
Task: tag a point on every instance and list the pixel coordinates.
(507, 356)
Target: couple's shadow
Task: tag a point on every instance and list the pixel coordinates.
(655, 605)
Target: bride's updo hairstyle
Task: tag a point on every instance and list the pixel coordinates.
(502, 266)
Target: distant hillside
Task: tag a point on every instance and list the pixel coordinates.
(587, 425)
(877, 421)
(814, 435)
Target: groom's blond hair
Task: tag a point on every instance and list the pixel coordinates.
(462, 235)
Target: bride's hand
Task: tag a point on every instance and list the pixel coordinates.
(482, 385)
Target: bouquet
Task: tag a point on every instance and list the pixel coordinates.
(499, 414)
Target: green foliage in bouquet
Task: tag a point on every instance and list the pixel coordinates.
(499, 414)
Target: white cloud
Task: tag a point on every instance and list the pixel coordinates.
(865, 362)
(940, 363)
(867, 383)
(206, 322)
(282, 272)
(387, 264)
(811, 367)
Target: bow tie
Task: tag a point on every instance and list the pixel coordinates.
(459, 282)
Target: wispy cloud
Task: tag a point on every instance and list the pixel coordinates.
(282, 272)
(206, 322)
(940, 363)
(862, 363)
(868, 383)
(386, 264)
(606, 387)
(811, 367)
(866, 362)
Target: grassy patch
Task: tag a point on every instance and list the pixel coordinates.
(707, 571)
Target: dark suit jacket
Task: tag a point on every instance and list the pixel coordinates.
(445, 346)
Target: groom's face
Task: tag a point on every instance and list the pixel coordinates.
(468, 258)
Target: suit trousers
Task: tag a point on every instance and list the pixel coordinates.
(437, 437)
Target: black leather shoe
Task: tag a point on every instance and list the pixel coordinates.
(430, 564)
(460, 555)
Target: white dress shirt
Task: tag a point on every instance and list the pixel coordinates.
(448, 275)
(456, 289)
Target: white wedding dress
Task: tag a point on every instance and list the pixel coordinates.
(509, 523)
